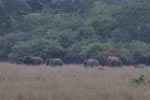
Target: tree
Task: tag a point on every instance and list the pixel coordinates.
(140, 51)
(7, 42)
(74, 54)
(38, 47)
(96, 50)
(135, 18)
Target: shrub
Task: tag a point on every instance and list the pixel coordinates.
(38, 47)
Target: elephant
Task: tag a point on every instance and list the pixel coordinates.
(54, 62)
(20, 60)
(33, 60)
(113, 61)
(140, 66)
(91, 63)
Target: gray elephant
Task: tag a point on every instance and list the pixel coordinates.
(113, 61)
(33, 60)
(91, 63)
(54, 62)
(140, 66)
(20, 60)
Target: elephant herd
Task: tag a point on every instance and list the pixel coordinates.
(34, 60)
(108, 61)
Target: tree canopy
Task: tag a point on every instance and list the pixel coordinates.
(75, 30)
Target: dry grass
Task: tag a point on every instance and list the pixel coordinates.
(71, 82)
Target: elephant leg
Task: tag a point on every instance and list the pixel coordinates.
(47, 62)
(109, 63)
(85, 64)
(120, 63)
(33, 62)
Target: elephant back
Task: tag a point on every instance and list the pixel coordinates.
(54, 62)
(91, 62)
(113, 61)
(33, 60)
(37, 60)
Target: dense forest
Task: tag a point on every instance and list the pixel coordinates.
(75, 30)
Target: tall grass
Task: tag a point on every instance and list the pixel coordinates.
(72, 82)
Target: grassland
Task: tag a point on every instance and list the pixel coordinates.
(72, 82)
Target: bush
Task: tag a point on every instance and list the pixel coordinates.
(38, 47)
(96, 50)
(140, 51)
(74, 54)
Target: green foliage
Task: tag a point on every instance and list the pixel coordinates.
(65, 40)
(120, 35)
(9, 41)
(85, 33)
(74, 54)
(140, 51)
(96, 50)
(76, 29)
(135, 19)
(38, 47)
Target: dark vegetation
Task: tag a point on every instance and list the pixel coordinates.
(74, 30)
(139, 80)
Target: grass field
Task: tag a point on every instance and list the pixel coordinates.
(73, 82)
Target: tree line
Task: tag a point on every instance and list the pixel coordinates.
(75, 30)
